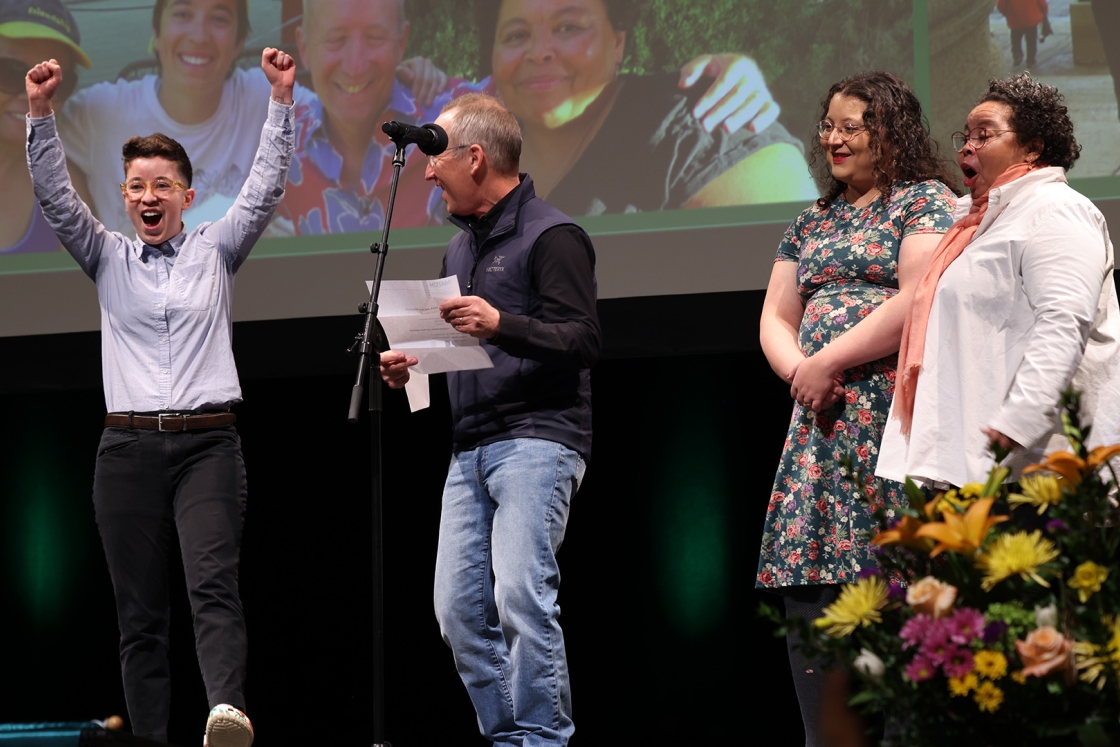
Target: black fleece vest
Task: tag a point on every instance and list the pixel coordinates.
(518, 397)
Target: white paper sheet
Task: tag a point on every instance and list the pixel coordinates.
(409, 313)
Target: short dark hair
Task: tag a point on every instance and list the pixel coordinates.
(158, 145)
(242, 7)
(898, 137)
(1037, 116)
(622, 14)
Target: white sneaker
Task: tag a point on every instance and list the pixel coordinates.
(227, 727)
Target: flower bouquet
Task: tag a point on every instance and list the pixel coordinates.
(994, 614)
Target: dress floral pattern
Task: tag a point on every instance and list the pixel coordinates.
(817, 526)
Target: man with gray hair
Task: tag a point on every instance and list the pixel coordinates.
(522, 429)
(339, 182)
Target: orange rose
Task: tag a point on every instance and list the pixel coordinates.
(931, 597)
(1045, 651)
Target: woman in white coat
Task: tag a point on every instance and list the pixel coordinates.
(1018, 303)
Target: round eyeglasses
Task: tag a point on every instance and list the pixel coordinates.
(432, 159)
(162, 189)
(846, 131)
(977, 138)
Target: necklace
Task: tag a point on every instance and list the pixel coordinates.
(863, 200)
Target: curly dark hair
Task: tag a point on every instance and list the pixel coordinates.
(898, 138)
(622, 14)
(1038, 116)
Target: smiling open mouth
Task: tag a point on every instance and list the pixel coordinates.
(150, 217)
(352, 89)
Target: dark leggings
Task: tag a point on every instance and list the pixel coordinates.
(807, 602)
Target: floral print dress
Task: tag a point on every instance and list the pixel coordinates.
(817, 525)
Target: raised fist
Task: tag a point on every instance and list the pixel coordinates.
(41, 82)
(280, 69)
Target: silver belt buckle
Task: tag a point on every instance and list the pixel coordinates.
(170, 415)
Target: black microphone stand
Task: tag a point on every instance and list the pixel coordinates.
(369, 344)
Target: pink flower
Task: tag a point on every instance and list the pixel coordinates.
(958, 662)
(965, 625)
(920, 669)
(936, 646)
(914, 631)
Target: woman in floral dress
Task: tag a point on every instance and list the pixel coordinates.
(831, 325)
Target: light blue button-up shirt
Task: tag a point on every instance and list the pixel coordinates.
(166, 311)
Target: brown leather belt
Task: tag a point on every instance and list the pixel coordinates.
(170, 421)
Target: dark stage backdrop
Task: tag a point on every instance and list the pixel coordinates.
(658, 565)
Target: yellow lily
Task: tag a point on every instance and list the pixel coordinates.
(962, 534)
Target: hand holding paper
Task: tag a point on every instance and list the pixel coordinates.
(422, 340)
(471, 315)
(394, 368)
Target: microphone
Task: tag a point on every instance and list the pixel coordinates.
(431, 139)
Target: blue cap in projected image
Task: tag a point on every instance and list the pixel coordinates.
(41, 19)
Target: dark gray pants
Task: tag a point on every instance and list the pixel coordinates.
(148, 484)
(1017, 36)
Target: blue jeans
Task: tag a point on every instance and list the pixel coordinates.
(505, 508)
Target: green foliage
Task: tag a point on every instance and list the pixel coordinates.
(444, 32)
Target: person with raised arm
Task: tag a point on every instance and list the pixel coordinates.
(169, 459)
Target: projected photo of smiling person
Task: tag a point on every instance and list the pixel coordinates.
(30, 31)
(597, 141)
(339, 180)
(198, 97)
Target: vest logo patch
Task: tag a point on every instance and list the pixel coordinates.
(495, 266)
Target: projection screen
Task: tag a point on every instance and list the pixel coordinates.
(674, 205)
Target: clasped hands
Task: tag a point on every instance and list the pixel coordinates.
(470, 315)
(814, 385)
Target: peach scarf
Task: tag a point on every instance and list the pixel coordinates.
(913, 345)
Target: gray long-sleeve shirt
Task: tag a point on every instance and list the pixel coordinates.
(166, 312)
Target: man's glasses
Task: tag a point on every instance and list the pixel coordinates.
(845, 131)
(977, 138)
(13, 71)
(162, 189)
(432, 159)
